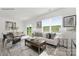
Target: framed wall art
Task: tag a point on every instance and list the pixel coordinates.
(39, 24)
(10, 25)
(69, 21)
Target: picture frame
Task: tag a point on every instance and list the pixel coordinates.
(39, 24)
(10, 25)
(69, 21)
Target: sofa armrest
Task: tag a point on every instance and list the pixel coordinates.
(52, 41)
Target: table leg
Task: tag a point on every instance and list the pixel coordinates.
(58, 42)
(25, 42)
(38, 50)
(45, 45)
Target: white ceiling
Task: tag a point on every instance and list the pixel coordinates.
(23, 13)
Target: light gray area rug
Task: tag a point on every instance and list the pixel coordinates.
(18, 50)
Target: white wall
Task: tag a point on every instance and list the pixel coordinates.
(2, 24)
(19, 25)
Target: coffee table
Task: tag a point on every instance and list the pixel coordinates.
(40, 44)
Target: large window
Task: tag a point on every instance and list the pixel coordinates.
(52, 24)
(55, 28)
(46, 28)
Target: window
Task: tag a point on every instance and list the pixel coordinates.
(52, 24)
(46, 29)
(56, 24)
(55, 28)
(29, 31)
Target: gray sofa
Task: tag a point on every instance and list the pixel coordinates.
(50, 38)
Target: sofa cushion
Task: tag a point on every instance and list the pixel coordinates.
(50, 35)
(53, 35)
(52, 42)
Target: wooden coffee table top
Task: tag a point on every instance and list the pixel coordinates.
(36, 41)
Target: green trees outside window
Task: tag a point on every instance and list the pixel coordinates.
(46, 28)
(55, 28)
(29, 31)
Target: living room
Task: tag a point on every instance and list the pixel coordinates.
(54, 27)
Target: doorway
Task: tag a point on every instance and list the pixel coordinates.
(29, 31)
